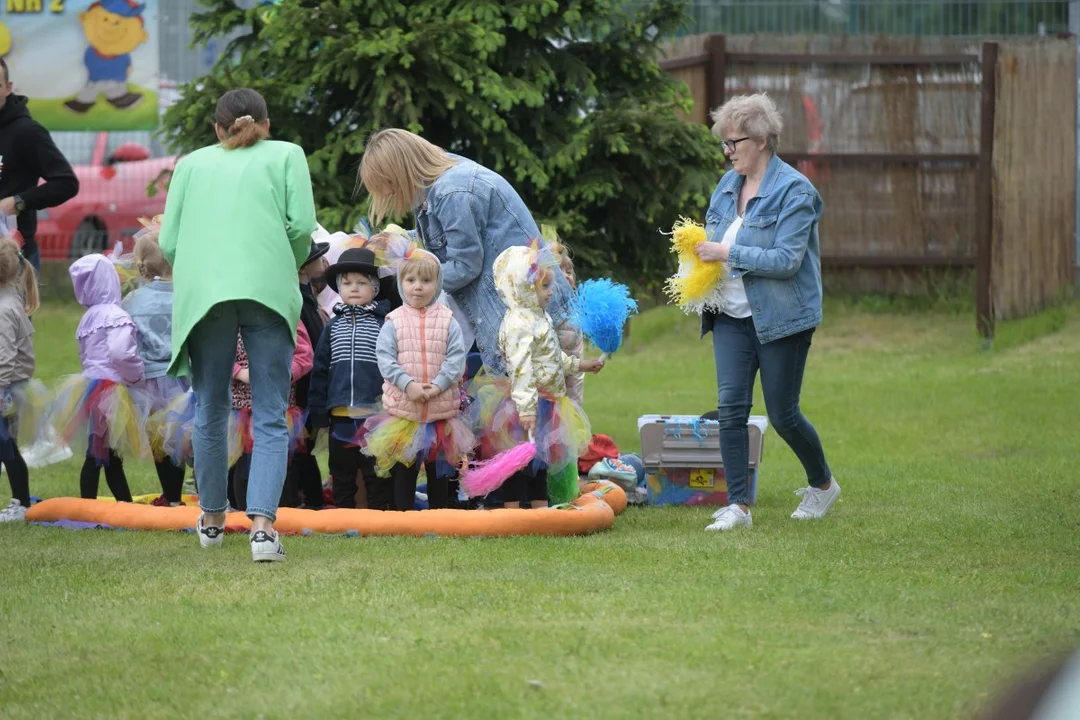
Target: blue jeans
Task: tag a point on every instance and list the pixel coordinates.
(34, 259)
(739, 355)
(212, 351)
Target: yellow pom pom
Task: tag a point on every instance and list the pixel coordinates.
(697, 284)
(702, 280)
(686, 235)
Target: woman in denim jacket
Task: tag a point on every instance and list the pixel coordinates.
(466, 215)
(763, 224)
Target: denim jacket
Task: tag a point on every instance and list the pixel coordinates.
(151, 308)
(467, 218)
(776, 251)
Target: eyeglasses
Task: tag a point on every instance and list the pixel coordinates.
(729, 145)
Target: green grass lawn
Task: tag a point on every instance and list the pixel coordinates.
(949, 565)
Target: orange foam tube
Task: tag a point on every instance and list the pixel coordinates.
(593, 511)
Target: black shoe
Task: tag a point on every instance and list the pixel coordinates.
(78, 107)
(125, 101)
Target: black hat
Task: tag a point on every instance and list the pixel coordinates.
(357, 260)
(318, 249)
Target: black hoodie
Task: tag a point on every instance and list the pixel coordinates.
(313, 323)
(27, 154)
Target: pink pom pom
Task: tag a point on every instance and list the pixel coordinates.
(488, 475)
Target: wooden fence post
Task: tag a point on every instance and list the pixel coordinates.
(984, 204)
(715, 74)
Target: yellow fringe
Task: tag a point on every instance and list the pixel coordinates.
(696, 281)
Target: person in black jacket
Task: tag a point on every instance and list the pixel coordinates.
(304, 479)
(345, 382)
(28, 154)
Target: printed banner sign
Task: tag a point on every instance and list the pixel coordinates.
(84, 64)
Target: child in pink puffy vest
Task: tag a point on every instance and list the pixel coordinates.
(421, 355)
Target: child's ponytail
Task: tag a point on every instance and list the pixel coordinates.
(14, 268)
(31, 298)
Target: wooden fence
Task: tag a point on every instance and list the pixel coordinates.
(924, 150)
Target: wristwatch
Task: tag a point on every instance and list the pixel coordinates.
(20, 204)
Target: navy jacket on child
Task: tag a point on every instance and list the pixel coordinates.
(346, 373)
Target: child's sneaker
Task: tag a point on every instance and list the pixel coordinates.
(15, 512)
(730, 517)
(209, 536)
(815, 503)
(266, 547)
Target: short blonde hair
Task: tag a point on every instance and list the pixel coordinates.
(424, 264)
(395, 166)
(752, 115)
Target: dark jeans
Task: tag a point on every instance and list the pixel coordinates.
(114, 476)
(739, 355)
(17, 472)
(345, 460)
(237, 482)
(34, 258)
(303, 482)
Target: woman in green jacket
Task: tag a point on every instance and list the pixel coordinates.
(237, 227)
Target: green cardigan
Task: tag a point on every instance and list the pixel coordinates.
(237, 226)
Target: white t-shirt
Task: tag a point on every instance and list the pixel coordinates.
(734, 292)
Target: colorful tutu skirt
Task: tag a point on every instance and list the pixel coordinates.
(102, 416)
(164, 393)
(392, 440)
(562, 428)
(23, 416)
(176, 424)
(242, 436)
(172, 427)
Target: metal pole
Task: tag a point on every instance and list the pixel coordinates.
(1074, 28)
(984, 203)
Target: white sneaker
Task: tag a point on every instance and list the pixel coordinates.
(266, 547)
(730, 517)
(209, 536)
(44, 453)
(815, 503)
(15, 512)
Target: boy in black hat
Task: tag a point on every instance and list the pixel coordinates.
(304, 479)
(346, 383)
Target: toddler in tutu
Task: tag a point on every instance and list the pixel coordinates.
(421, 356)
(532, 402)
(571, 339)
(241, 433)
(102, 403)
(18, 301)
(150, 307)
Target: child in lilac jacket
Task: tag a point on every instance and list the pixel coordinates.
(104, 403)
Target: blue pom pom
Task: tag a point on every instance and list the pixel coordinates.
(601, 310)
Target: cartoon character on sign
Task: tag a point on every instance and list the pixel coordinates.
(113, 29)
(5, 40)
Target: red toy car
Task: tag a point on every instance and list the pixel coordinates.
(115, 170)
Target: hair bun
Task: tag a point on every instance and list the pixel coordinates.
(242, 121)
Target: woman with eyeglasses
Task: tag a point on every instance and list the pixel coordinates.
(762, 224)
